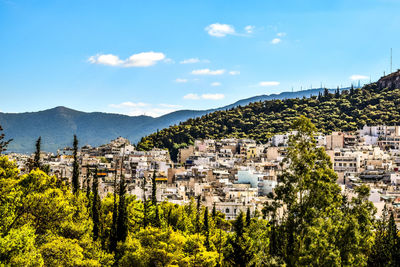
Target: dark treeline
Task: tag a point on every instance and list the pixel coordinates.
(307, 222)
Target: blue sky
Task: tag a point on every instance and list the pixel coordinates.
(153, 57)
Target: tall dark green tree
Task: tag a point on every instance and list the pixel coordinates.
(248, 217)
(214, 212)
(393, 242)
(122, 220)
(96, 206)
(240, 254)
(113, 230)
(36, 159)
(198, 229)
(206, 229)
(154, 189)
(75, 171)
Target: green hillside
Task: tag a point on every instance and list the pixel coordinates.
(345, 110)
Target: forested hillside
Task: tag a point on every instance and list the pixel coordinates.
(57, 125)
(343, 110)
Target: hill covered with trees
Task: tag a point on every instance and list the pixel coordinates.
(345, 110)
(56, 125)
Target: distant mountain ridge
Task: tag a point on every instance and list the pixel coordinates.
(57, 126)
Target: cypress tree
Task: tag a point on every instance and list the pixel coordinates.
(393, 242)
(198, 214)
(206, 229)
(214, 212)
(75, 172)
(96, 206)
(113, 230)
(122, 220)
(88, 189)
(248, 217)
(36, 159)
(154, 189)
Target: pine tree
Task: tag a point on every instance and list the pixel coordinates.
(75, 172)
(36, 159)
(145, 204)
(206, 229)
(122, 220)
(3, 144)
(96, 206)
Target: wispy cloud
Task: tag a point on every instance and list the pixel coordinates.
(191, 96)
(208, 72)
(249, 29)
(281, 34)
(144, 59)
(204, 96)
(140, 108)
(216, 84)
(220, 30)
(234, 72)
(357, 77)
(276, 41)
(194, 60)
(179, 80)
(268, 83)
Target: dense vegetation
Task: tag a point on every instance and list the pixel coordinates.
(346, 110)
(42, 223)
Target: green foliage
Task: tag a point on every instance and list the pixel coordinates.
(260, 120)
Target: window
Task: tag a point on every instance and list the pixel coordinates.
(227, 211)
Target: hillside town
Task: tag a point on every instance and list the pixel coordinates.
(234, 174)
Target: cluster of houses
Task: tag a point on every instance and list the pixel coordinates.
(235, 174)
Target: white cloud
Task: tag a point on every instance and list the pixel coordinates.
(204, 96)
(191, 96)
(249, 28)
(140, 108)
(356, 77)
(190, 61)
(216, 84)
(128, 105)
(179, 80)
(212, 96)
(220, 30)
(276, 41)
(281, 34)
(144, 59)
(208, 72)
(269, 83)
(234, 72)
(108, 59)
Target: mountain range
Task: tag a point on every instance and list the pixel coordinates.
(57, 126)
